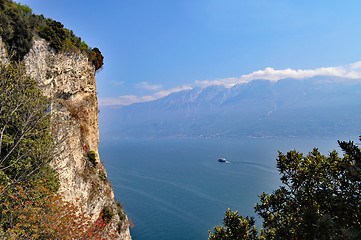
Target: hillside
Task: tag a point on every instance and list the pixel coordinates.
(318, 106)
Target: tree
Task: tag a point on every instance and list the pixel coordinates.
(26, 143)
(15, 29)
(236, 227)
(319, 199)
(25, 139)
(54, 33)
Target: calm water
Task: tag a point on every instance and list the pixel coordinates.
(175, 189)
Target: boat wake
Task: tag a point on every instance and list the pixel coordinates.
(253, 164)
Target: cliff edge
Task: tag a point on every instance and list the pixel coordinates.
(68, 78)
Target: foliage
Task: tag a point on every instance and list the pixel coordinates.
(25, 9)
(319, 199)
(53, 32)
(41, 214)
(26, 143)
(91, 157)
(25, 137)
(59, 38)
(236, 227)
(15, 29)
(18, 25)
(83, 46)
(120, 211)
(97, 58)
(102, 176)
(121, 215)
(107, 214)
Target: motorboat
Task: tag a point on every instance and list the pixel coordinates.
(222, 160)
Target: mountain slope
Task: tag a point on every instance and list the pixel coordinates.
(317, 106)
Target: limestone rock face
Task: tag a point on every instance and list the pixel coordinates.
(69, 80)
(3, 53)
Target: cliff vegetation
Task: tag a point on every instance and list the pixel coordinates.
(18, 26)
(30, 207)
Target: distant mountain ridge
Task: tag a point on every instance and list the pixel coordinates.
(317, 106)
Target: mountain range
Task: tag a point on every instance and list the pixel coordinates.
(318, 106)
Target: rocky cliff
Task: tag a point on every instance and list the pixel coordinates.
(69, 80)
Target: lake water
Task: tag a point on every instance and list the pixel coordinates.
(175, 189)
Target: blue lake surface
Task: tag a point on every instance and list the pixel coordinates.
(175, 189)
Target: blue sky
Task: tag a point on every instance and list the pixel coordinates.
(153, 47)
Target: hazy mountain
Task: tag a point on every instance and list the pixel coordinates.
(318, 106)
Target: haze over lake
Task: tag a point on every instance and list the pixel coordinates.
(308, 107)
(176, 188)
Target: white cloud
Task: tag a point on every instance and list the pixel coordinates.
(173, 90)
(227, 82)
(148, 86)
(350, 71)
(356, 65)
(121, 100)
(130, 99)
(275, 75)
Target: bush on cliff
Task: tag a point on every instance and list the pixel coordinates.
(38, 213)
(91, 157)
(320, 199)
(97, 58)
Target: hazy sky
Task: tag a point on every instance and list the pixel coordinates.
(152, 47)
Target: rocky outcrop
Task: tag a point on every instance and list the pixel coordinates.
(69, 80)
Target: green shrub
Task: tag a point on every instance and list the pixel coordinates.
(83, 46)
(120, 211)
(91, 157)
(103, 176)
(121, 215)
(97, 58)
(54, 33)
(24, 8)
(107, 213)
